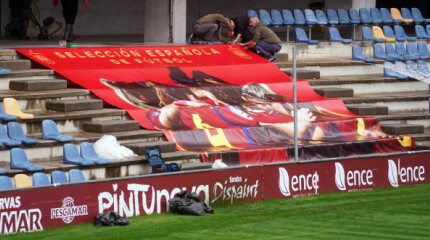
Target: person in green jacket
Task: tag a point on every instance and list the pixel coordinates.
(264, 40)
(209, 26)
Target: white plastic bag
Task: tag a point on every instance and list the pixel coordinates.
(108, 147)
(219, 164)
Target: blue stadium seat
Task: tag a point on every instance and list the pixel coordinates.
(321, 17)
(423, 50)
(334, 36)
(367, 35)
(365, 16)
(310, 17)
(343, 17)
(299, 17)
(401, 50)
(71, 156)
(4, 71)
(388, 32)
(301, 36)
(251, 13)
(288, 17)
(401, 35)
(357, 54)
(277, 19)
(40, 179)
(6, 117)
(391, 52)
(6, 140)
(412, 69)
(76, 175)
(88, 153)
(420, 32)
(379, 53)
(5, 183)
(19, 160)
(418, 17)
(265, 17)
(406, 14)
(412, 50)
(423, 68)
(332, 17)
(387, 18)
(15, 132)
(2, 171)
(58, 177)
(428, 30)
(354, 16)
(50, 132)
(376, 16)
(401, 70)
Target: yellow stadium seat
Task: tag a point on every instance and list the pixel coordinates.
(395, 14)
(22, 180)
(11, 107)
(378, 33)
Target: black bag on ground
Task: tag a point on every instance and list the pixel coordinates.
(189, 204)
(110, 219)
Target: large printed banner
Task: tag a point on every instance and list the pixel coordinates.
(220, 100)
(36, 209)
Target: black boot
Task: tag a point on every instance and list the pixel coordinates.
(68, 33)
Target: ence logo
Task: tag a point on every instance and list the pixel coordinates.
(404, 174)
(355, 178)
(69, 211)
(298, 183)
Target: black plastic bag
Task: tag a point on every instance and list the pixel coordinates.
(110, 219)
(189, 204)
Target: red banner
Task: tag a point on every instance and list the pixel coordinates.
(39, 208)
(220, 100)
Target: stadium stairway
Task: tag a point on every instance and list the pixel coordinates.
(79, 114)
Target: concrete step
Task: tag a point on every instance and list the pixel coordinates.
(16, 64)
(333, 92)
(111, 126)
(37, 84)
(24, 74)
(396, 102)
(74, 105)
(36, 100)
(368, 110)
(379, 84)
(7, 54)
(406, 118)
(399, 129)
(302, 73)
(139, 147)
(281, 58)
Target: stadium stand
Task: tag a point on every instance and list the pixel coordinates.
(389, 71)
(423, 50)
(265, 17)
(401, 35)
(156, 161)
(251, 13)
(334, 36)
(378, 33)
(392, 53)
(5, 183)
(376, 16)
(389, 33)
(332, 17)
(420, 32)
(428, 30)
(6, 140)
(344, 18)
(71, 156)
(301, 37)
(76, 175)
(58, 177)
(50, 132)
(357, 54)
(88, 152)
(423, 68)
(387, 18)
(395, 14)
(19, 160)
(406, 14)
(288, 17)
(2, 171)
(401, 68)
(15, 132)
(401, 50)
(11, 107)
(310, 17)
(322, 18)
(412, 50)
(21, 181)
(277, 19)
(354, 16)
(6, 117)
(299, 17)
(40, 179)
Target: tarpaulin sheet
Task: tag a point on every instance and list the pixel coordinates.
(220, 100)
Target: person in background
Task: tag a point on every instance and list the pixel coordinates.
(20, 12)
(264, 40)
(209, 26)
(70, 10)
(241, 30)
